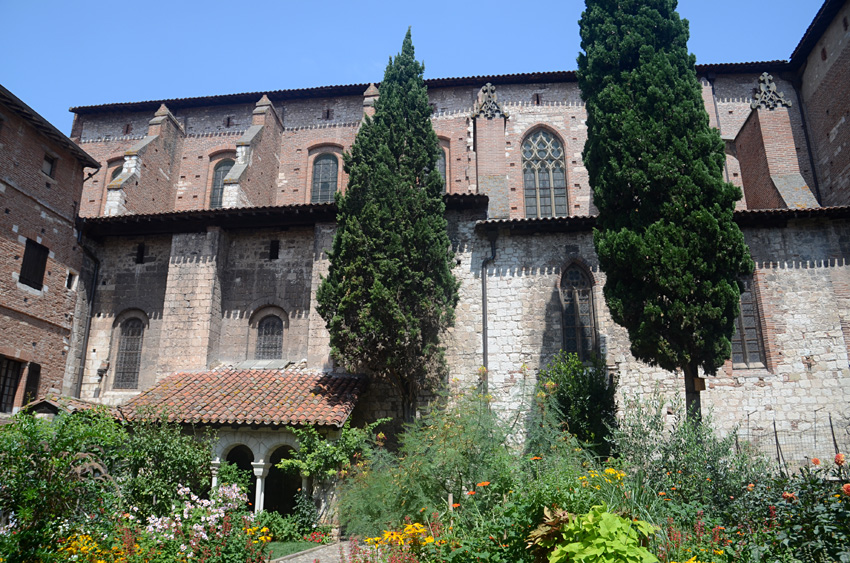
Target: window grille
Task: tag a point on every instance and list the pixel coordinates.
(10, 375)
(33, 264)
(544, 175)
(222, 169)
(747, 346)
(578, 319)
(325, 168)
(270, 338)
(129, 354)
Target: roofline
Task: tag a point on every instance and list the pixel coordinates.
(744, 218)
(175, 104)
(815, 31)
(198, 220)
(45, 127)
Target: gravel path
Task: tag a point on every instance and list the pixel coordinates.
(322, 554)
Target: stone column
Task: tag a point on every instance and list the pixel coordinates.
(214, 467)
(261, 470)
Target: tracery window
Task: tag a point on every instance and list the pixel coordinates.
(325, 167)
(544, 175)
(747, 345)
(270, 338)
(220, 172)
(129, 357)
(577, 308)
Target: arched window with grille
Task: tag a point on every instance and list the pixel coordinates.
(129, 358)
(578, 315)
(544, 175)
(269, 338)
(220, 172)
(325, 167)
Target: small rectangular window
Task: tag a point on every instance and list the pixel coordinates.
(128, 128)
(140, 253)
(33, 264)
(71, 281)
(10, 375)
(49, 165)
(274, 250)
(33, 381)
(328, 114)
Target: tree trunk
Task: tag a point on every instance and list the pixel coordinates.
(692, 399)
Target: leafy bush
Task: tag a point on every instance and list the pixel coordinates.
(683, 459)
(282, 528)
(595, 537)
(583, 401)
(230, 474)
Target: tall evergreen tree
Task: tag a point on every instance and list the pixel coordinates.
(666, 239)
(390, 291)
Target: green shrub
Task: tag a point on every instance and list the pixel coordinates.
(231, 474)
(582, 400)
(282, 528)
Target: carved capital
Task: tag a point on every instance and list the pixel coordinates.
(487, 104)
(766, 94)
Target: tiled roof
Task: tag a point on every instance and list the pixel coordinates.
(175, 104)
(267, 397)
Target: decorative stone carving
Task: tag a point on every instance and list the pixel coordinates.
(767, 96)
(488, 104)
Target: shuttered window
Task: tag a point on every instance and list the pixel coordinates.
(33, 264)
(10, 375)
(747, 345)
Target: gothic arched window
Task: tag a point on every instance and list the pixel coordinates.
(220, 172)
(578, 319)
(129, 354)
(269, 338)
(544, 175)
(325, 168)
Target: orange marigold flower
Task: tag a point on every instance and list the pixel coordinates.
(662, 493)
(470, 493)
(840, 459)
(815, 461)
(846, 489)
(750, 487)
(535, 458)
(483, 484)
(455, 505)
(789, 497)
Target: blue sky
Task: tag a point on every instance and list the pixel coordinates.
(58, 54)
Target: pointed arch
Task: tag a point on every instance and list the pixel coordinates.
(544, 174)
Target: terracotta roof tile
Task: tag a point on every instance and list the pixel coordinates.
(268, 397)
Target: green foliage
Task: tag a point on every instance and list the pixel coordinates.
(683, 459)
(158, 456)
(583, 401)
(282, 528)
(230, 474)
(449, 450)
(319, 457)
(666, 238)
(595, 537)
(390, 291)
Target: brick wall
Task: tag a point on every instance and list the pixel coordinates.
(755, 164)
(35, 324)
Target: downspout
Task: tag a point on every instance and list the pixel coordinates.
(798, 84)
(492, 235)
(78, 387)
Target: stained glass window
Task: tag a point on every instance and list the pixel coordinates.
(270, 338)
(577, 301)
(222, 169)
(544, 175)
(324, 178)
(129, 354)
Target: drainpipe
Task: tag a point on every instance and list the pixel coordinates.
(78, 387)
(492, 235)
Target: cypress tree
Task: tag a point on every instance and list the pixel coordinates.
(665, 234)
(390, 291)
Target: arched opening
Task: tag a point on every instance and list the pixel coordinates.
(281, 486)
(241, 456)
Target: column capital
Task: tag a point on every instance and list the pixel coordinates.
(261, 469)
